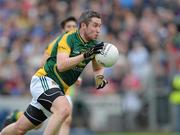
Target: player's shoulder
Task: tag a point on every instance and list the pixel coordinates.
(72, 32)
(71, 35)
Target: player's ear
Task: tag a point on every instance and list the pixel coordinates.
(83, 25)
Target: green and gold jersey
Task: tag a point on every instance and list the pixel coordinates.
(72, 44)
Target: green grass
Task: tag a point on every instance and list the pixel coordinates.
(137, 134)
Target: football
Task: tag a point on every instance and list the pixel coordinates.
(108, 56)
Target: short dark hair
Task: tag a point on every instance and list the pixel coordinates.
(87, 15)
(68, 19)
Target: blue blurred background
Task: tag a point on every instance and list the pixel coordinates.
(143, 93)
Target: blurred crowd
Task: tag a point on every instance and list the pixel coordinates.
(146, 32)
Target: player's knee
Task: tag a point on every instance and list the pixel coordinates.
(19, 129)
(16, 128)
(63, 112)
(2, 133)
(68, 120)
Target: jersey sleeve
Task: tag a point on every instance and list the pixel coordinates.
(63, 45)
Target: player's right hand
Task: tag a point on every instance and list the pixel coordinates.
(94, 50)
(100, 82)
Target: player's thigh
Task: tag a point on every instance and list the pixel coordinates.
(48, 98)
(34, 115)
(44, 91)
(48, 95)
(61, 105)
(42, 84)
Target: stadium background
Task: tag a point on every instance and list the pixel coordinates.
(137, 98)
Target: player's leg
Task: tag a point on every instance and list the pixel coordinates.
(13, 117)
(54, 101)
(61, 110)
(33, 115)
(65, 128)
(50, 98)
(29, 120)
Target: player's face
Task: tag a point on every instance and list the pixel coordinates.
(93, 29)
(70, 25)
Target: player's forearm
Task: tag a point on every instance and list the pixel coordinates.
(97, 69)
(98, 72)
(70, 62)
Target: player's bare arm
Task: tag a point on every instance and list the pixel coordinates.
(98, 74)
(64, 62)
(98, 70)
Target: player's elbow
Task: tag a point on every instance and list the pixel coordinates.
(60, 67)
(63, 66)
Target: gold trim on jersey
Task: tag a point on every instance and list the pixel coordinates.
(41, 72)
(50, 46)
(59, 78)
(63, 45)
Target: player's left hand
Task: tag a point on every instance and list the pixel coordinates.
(100, 82)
